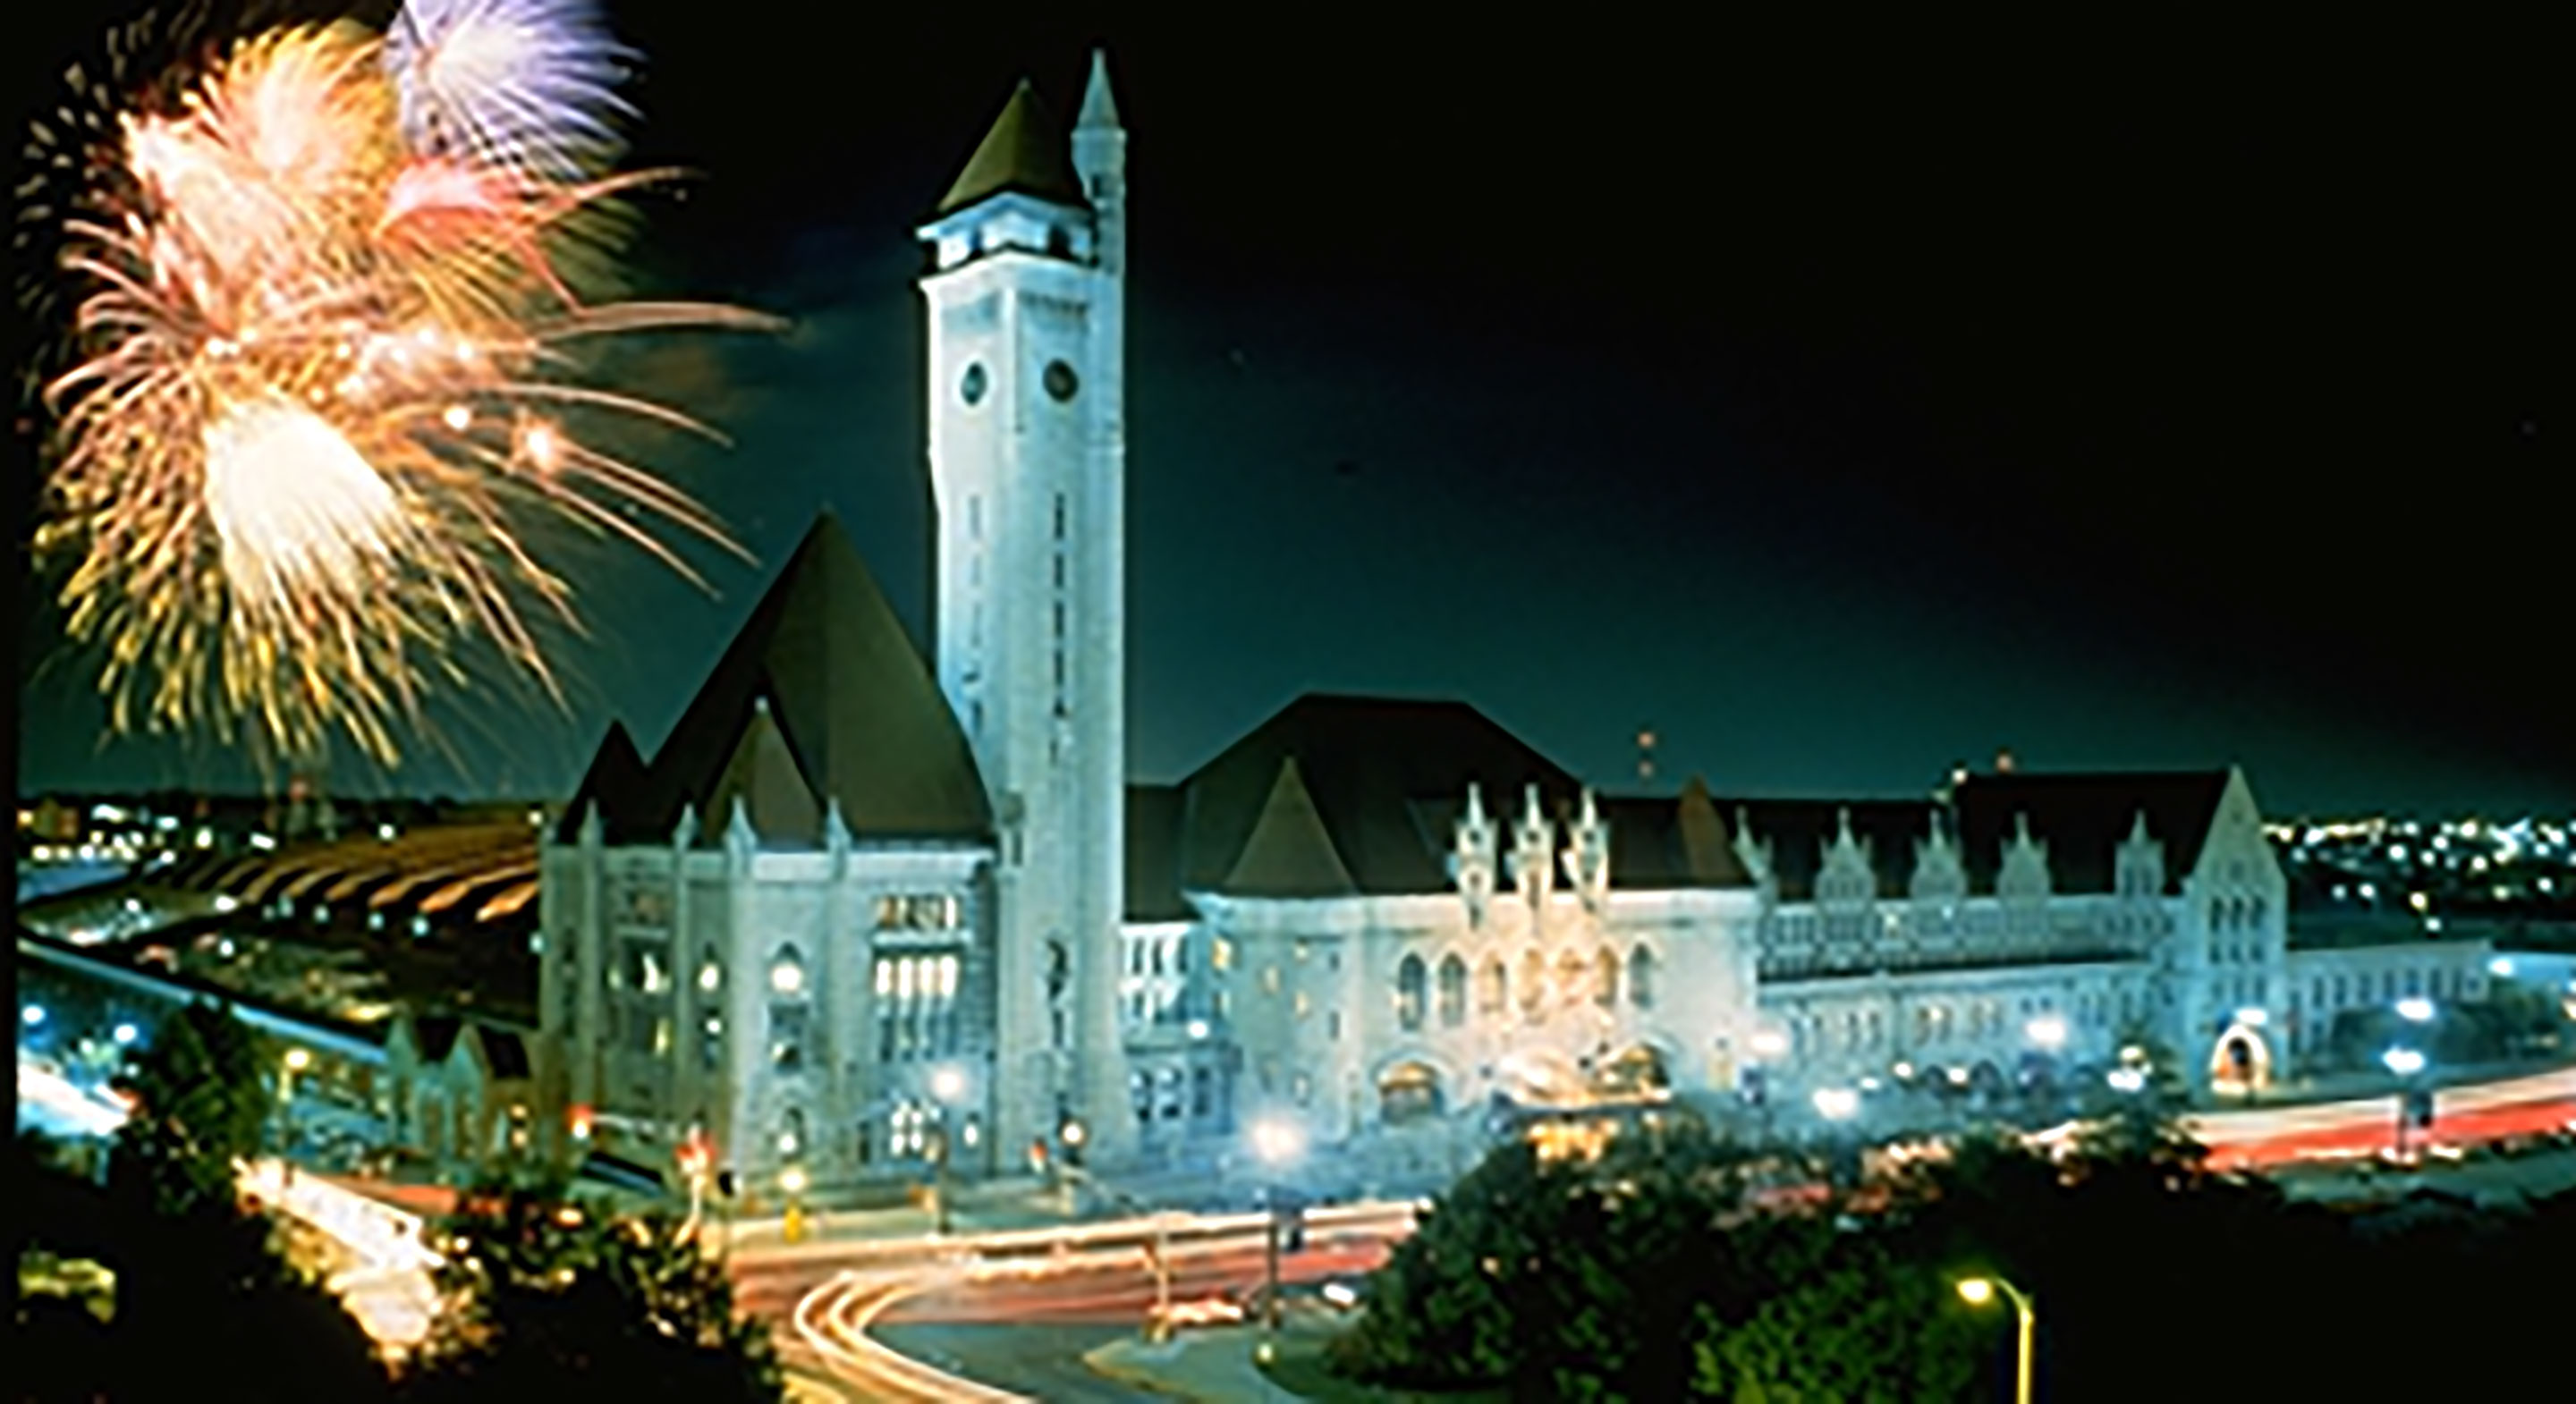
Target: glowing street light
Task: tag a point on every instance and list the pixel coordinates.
(2405, 1062)
(2253, 1016)
(1837, 1103)
(1277, 1142)
(2128, 1080)
(792, 1182)
(1770, 1043)
(1977, 1291)
(2047, 1031)
(32, 1016)
(126, 1034)
(2415, 1009)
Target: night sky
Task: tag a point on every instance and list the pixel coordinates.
(1842, 402)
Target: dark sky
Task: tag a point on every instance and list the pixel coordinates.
(1841, 401)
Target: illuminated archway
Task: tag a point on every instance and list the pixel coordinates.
(2241, 1061)
(1408, 1092)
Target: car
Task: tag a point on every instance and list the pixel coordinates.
(1206, 1311)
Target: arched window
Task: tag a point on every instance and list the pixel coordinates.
(1409, 983)
(787, 972)
(1605, 978)
(1641, 977)
(1453, 991)
(1533, 982)
(1493, 987)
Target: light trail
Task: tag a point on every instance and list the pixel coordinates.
(388, 1288)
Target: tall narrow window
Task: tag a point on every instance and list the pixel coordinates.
(1409, 982)
(1453, 991)
(1059, 516)
(1492, 987)
(1641, 978)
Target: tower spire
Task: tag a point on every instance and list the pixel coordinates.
(1099, 107)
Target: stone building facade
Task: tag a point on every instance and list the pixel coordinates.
(867, 910)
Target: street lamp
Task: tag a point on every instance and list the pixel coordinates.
(2405, 1063)
(1277, 1142)
(296, 1061)
(791, 1181)
(1977, 1291)
(947, 1086)
(2415, 1009)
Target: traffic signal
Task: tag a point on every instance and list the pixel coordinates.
(581, 1123)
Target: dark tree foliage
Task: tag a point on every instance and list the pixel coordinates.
(1650, 1276)
(197, 1291)
(201, 1101)
(552, 1300)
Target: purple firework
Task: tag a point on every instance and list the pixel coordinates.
(529, 85)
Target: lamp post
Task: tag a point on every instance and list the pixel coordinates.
(296, 1061)
(2405, 1063)
(792, 1182)
(1977, 1291)
(947, 1085)
(1277, 1143)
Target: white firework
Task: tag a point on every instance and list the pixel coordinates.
(526, 85)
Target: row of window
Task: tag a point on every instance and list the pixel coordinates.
(1576, 980)
(1158, 1097)
(1854, 1030)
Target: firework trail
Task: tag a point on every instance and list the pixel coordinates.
(323, 374)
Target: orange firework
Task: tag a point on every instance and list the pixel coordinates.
(321, 396)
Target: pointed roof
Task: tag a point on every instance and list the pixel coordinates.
(1024, 152)
(1289, 853)
(614, 782)
(1387, 778)
(1099, 107)
(851, 710)
(763, 779)
(1708, 857)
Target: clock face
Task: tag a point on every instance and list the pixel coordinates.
(975, 384)
(1061, 381)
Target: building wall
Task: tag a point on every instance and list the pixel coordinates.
(798, 1007)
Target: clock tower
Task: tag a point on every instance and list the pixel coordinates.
(1025, 302)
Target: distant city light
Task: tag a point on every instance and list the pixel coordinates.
(2253, 1016)
(32, 1015)
(1904, 1072)
(2500, 968)
(1198, 1028)
(385, 832)
(2420, 901)
(263, 843)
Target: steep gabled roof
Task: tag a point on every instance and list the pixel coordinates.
(1288, 853)
(854, 708)
(1025, 152)
(2084, 818)
(615, 782)
(763, 780)
(1658, 843)
(1378, 772)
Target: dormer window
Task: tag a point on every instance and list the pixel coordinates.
(1059, 243)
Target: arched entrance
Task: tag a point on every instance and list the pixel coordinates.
(1408, 1093)
(2241, 1062)
(1638, 1070)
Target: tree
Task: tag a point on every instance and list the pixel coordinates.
(201, 1102)
(1859, 1329)
(547, 1298)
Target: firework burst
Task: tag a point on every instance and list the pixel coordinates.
(324, 385)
